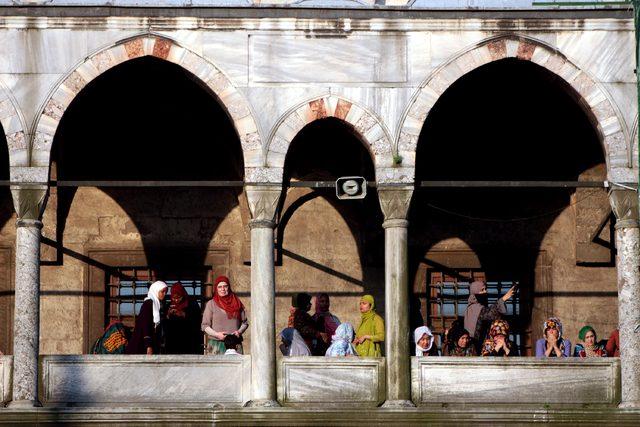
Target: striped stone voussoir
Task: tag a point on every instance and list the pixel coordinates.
(590, 93)
(368, 126)
(13, 129)
(148, 45)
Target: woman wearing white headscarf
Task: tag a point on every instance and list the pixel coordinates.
(424, 342)
(293, 344)
(341, 342)
(145, 337)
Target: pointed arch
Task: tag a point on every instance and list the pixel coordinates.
(593, 98)
(63, 94)
(370, 128)
(13, 127)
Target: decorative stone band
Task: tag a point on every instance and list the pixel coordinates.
(29, 223)
(624, 204)
(261, 223)
(395, 223)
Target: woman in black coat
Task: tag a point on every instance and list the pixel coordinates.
(145, 338)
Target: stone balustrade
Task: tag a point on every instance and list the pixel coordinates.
(6, 366)
(328, 381)
(183, 380)
(518, 380)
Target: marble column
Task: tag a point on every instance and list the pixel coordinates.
(29, 203)
(262, 204)
(625, 206)
(395, 206)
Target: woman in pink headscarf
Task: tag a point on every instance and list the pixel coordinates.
(479, 315)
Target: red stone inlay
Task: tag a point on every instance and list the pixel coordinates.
(318, 110)
(161, 48)
(134, 48)
(342, 109)
(525, 51)
(497, 49)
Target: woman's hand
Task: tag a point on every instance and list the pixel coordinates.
(218, 335)
(500, 343)
(236, 333)
(149, 351)
(360, 340)
(509, 294)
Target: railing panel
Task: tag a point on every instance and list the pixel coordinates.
(6, 367)
(522, 380)
(185, 380)
(331, 381)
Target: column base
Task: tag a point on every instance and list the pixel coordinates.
(629, 405)
(262, 403)
(24, 404)
(398, 404)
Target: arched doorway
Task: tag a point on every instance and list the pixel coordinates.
(512, 120)
(143, 120)
(325, 244)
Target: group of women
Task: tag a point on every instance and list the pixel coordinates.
(324, 335)
(177, 328)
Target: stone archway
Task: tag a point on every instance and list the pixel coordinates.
(13, 127)
(369, 127)
(592, 97)
(231, 98)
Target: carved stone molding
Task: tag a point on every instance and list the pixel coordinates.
(29, 201)
(263, 203)
(624, 204)
(395, 202)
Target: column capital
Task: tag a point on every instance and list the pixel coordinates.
(263, 203)
(394, 202)
(624, 204)
(395, 223)
(29, 223)
(261, 223)
(29, 201)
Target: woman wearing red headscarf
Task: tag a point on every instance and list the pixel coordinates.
(182, 325)
(224, 314)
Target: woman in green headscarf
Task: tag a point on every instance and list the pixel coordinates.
(370, 333)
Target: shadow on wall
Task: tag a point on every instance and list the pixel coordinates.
(7, 243)
(507, 120)
(325, 244)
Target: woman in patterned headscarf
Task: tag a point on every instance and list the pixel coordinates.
(588, 345)
(498, 343)
(553, 345)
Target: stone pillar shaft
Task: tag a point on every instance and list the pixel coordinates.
(624, 204)
(396, 311)
(628, 266)
(27, 312)
(395, 202)
(263, 323)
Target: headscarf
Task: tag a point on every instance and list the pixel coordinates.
(329, 321)
(499, 327)
(552, 323)
(341, 341)
(453, 336)
(230, 303)
(179, 300)
(583, 332)
(474, 308)
(294, 343)
(301, 300)
(154, 290)
(417, 334)
(367, 327)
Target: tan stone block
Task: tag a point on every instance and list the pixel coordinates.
(511, 47)
(569, 71)
(331, 102)
(118, 54)
(610, 126)
(366, 123)
(295, 122)
(6, 108)
(245, 125)
(407, 142)
(16, 141)
(11, 124)
(103, 61)
(42, 141)
(63, 96)
(40, 157)
(275, 159)
(75, 82)
(253, 158)
(603, 110)
(377, 139)
(547, 59)
(54, 109)
(218, 83)
(439, 83)
(251, 141)
(147, 45)
(19, 157)
(176, 53)
(481, 56)
(467, 62)
(236, 104)
(88, 71)
(355, 112)
(47, 125)
(412, 126)
(582, 83)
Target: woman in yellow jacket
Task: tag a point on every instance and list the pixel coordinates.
(370, 333)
